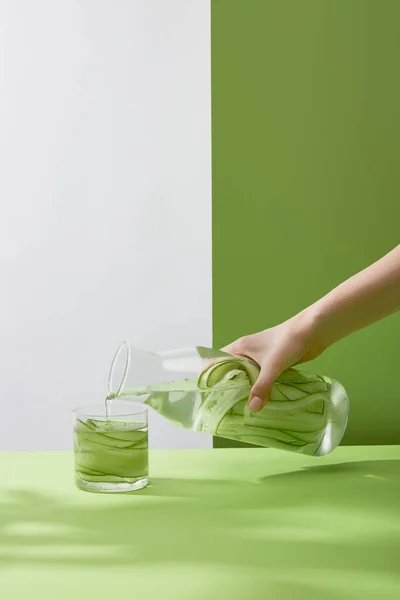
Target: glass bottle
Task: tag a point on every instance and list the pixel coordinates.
(207, 390)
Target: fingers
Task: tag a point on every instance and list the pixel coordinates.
(261, 390)
(271, 368)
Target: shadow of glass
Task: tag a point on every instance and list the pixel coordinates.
(340, 517)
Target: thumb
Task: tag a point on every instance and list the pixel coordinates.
(261, 390)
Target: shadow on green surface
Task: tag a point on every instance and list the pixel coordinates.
(362, 485)
(342, 517)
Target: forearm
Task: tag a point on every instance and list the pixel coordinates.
(368, 296)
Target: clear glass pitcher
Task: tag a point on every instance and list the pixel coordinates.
(207, 390)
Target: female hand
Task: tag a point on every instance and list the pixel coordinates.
(368, 296)
(275, 350)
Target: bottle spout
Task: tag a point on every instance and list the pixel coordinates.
(119, 369)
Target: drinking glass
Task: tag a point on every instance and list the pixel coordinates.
(111, 451)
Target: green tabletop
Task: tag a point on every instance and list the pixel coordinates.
(214, 524)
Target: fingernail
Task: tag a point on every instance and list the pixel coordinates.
(255, 404)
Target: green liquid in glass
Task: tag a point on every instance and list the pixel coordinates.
(110, 452)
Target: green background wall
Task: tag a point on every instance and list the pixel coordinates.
(306, 177)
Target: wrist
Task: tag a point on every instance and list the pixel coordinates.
(314, 323)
